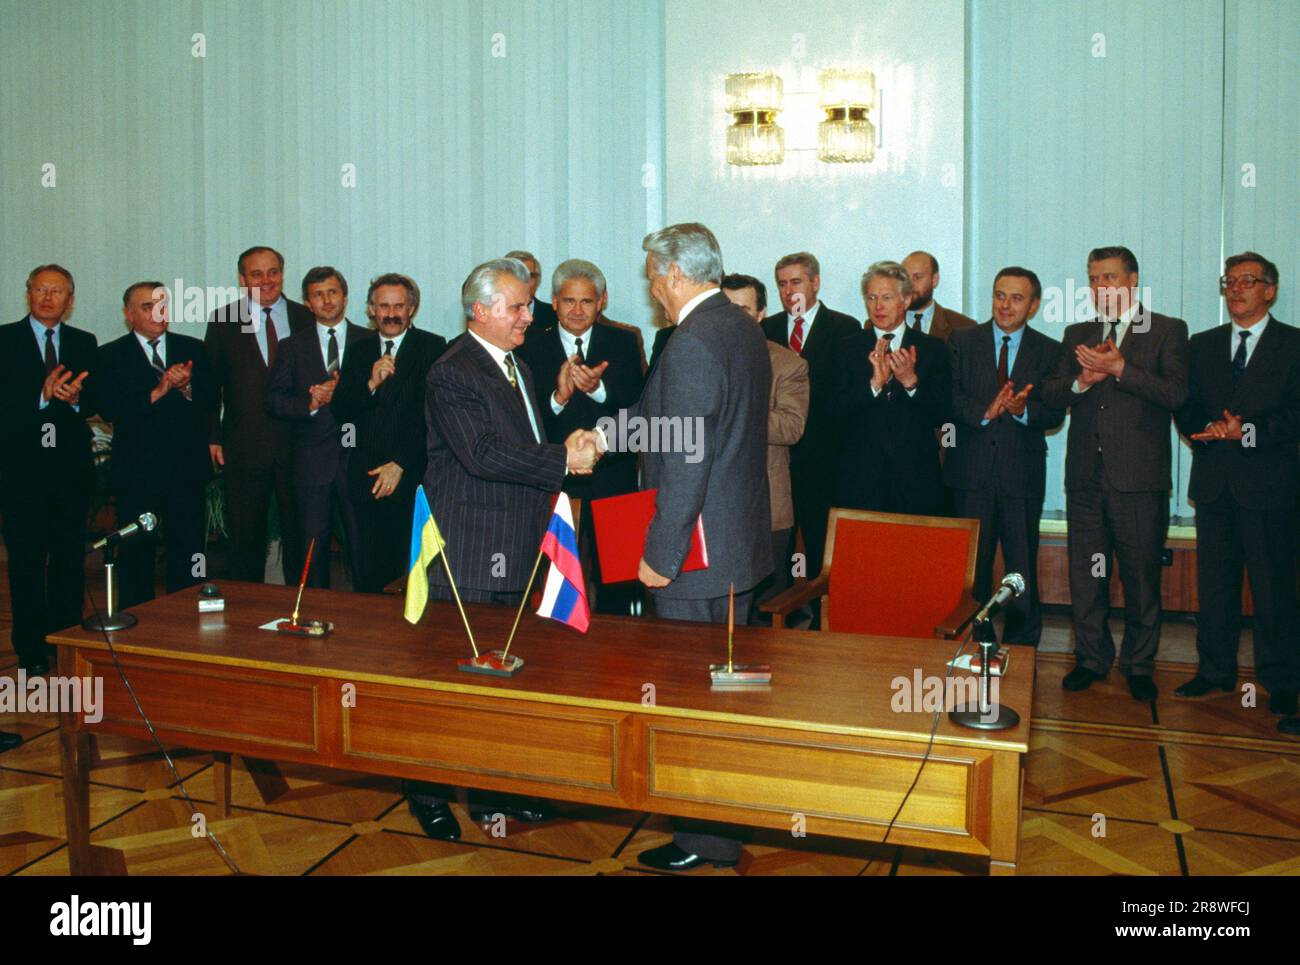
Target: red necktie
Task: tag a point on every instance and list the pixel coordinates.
(1003, 375)
(272, 339)
(796, 337)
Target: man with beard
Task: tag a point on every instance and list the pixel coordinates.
(924, 314)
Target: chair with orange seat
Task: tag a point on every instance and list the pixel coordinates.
(891, 575)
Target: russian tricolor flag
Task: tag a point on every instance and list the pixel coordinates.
(565, 596)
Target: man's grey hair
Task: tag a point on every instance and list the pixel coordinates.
(888, 269)
(692, 247)
(577, 268)
(522, 255)
(481, 286)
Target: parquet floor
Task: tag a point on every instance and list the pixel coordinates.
(1112, 787)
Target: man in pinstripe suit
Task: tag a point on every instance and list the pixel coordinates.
(490, 479)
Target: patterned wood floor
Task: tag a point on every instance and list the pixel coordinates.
(1112, 786)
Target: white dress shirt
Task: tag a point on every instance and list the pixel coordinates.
(809, 317)
(569, 341)
(499, 357)
(1256, 333)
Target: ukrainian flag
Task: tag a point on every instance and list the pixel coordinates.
(426, 544)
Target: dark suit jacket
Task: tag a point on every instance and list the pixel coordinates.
(543, 316)
(1127, 419)
(23, 458)
(249, 436)
(1264, 475)
(544, 353)
(163, 444)
(715, 373)
(657, 349)
(946, 321)
(298, 366)
(889, 455)
(489, 481)
(1004, 455)
(815, 454)
(389, 424)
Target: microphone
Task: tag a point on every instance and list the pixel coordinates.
(1013, 584)
(146, 523)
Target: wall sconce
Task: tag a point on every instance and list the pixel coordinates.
(753, 101)
(846, 135)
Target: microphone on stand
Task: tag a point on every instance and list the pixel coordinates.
(145, 523)
(1013, 584)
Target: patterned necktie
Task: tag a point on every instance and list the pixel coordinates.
(516, 384)
(332, 355)
(1239, 359)
(51, 360)
(156, 360)
(1003, 375)
(889, 348)
(272, 340)
(916, 325)
(796, 337)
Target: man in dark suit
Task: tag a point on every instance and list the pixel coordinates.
(301, 392)
(1122, 376)
(490, 480)
(155, 386)
(242, 340)
(46, 476)
(714, 375)
(380, 398)
(1242, 416)
(592, 369)
(997, 468)
(814, 332)
(543, 313)
(894, 391)
(924, 313)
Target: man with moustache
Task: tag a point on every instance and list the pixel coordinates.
(46, 474)
(543, 313)
(714, 372)
(1242, 416)
(491, 479)
(301, 392)
(595, 368)
(381, 395)
(812, 331)
(250, 447)
(924, 313)
(155, 386)
(998, 468)
(1122, 376)
(895, 390)
(786, 415)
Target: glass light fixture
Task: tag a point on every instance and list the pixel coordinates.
(753, 101)
(847, 134)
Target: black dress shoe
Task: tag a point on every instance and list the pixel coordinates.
(1282, 703)
(37, 668)
(672, 858)
(1290, 726)
(437, 821)
(1142, 687)
(9, 741)
(1080, 678)
(1199, 686)
(528, 810)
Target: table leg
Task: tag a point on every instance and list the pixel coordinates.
(221, 782)
(75, 745)
(1008, 786)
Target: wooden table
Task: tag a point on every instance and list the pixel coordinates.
(622, 717)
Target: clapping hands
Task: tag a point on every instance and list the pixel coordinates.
(1008, 400)
(576, 377)
(1099, 362)
(1228, 428)
(322, 393)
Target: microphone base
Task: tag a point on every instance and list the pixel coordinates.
(999, 717)
(109, 622)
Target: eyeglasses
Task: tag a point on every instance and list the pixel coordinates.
(1241, 281)
(46, 290)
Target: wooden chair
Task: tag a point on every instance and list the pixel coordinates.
(891, 575)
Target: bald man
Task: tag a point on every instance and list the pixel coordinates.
(924, 314)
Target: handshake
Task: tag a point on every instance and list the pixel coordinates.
(583, 448)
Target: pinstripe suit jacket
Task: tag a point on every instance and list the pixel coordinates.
(489, 482)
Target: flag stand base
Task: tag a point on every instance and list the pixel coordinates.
(492, 664)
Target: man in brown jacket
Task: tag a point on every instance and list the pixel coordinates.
(787, 414)
(925, 314)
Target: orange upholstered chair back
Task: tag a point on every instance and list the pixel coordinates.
(896, 575)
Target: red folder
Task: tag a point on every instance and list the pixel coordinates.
(622, 523)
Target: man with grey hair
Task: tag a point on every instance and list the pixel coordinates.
(543, 313)
(895, 389)
(715, 375)
(490, 479)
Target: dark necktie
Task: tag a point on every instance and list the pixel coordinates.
(889, 348)
(332, 355)
(1112, 335)
(272, 340)
(796, 337)
(916, 325)
(515, 383)
(156, 359)
(1239, 359)
(388, 346)
(51, 360)
(1003, 375)
(582, 359)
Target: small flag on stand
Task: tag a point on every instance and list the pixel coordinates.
(426, 544)
(564, 597)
